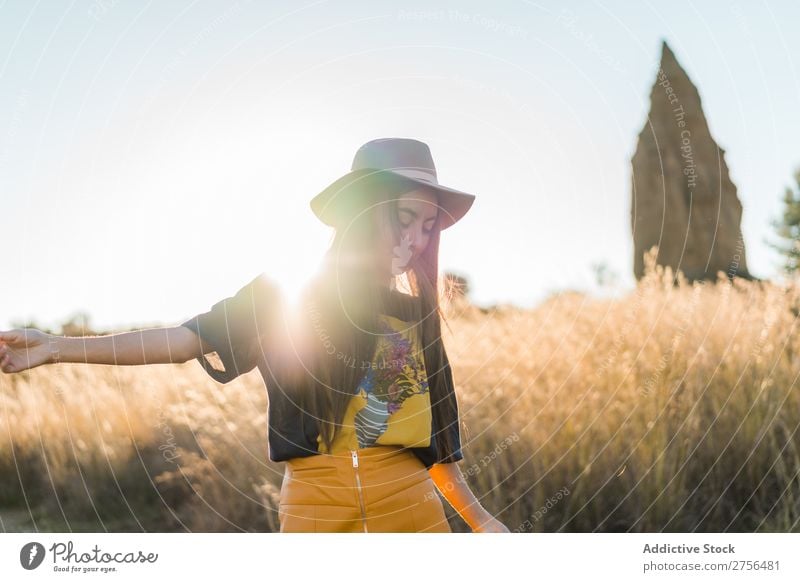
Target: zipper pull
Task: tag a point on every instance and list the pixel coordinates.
(355, 459)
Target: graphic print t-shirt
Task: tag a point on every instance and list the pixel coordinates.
(391, 405)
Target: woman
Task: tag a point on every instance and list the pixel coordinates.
(362, 406)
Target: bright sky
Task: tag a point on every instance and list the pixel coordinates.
(156, 156)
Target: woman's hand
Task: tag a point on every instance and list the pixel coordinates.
(23, 349)
(490, 525)
(451, 483)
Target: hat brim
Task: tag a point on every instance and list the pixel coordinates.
(336, 202)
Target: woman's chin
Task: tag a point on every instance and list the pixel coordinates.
(400, 270)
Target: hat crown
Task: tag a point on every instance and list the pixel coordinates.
(396, 153)
(376, 160)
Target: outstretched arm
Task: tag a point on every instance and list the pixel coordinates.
(450, 481)
(22, 349)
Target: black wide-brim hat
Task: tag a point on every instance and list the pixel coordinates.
(391, 158)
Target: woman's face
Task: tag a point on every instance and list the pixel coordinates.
(417, 212)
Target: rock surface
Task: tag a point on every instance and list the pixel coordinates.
(683, 199)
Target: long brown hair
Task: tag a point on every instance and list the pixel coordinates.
(332, 329)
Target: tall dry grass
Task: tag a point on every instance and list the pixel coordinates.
(674, 408)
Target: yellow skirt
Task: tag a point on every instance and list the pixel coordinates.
(374, 489)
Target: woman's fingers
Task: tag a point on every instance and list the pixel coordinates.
(9, 337)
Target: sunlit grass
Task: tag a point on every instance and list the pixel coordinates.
(673, 408)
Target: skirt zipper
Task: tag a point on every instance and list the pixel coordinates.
(360, 493)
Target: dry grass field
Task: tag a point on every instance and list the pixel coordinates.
(674, 408)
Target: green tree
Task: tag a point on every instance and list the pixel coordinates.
(788, 228)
